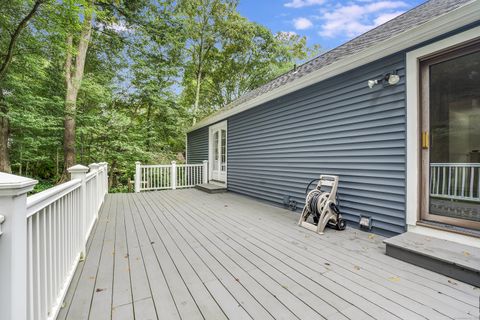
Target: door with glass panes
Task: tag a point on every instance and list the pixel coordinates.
(218, 152)
(450, 137)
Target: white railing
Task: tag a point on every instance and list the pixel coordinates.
(45, 239)
(170, 176)
(460, 181)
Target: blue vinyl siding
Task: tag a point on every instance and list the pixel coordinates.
(197, 145)
(338, 126)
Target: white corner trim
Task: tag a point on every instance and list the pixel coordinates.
(413, 127)
(442, 24)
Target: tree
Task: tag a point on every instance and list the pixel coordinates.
(74, 69)
(4, 66)
(201, 20)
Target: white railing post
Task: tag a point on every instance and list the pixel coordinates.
(205, 171)
(13, 245)
(104, 179)
(138, 176)
(80, 172)
(173, 173)
(94, 168)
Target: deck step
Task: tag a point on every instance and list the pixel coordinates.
(460, 262)
(211, 188)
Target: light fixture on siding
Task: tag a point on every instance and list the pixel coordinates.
(388, 79)
(372, 83)
(392, 79)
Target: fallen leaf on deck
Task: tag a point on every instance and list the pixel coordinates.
(327, 264)
(452, 282)
(371, 236)
(466, 253)
(100, 290)
(356, 267)
(394, 279)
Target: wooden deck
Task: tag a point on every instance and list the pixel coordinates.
(185, 254)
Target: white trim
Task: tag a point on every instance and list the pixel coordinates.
(438, 26)
(413, 127)
(211, 129)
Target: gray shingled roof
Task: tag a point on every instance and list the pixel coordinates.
(410, 19)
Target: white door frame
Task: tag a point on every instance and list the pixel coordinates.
(413, 134)
(211, 130)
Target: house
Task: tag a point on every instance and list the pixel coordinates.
(394, 113)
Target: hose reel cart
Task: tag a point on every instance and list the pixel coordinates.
(322, 204)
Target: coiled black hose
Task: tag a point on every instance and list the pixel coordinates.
(337, 198)
(313, 205)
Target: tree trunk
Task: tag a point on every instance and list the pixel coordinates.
(73, 78)
(4, 134)
(197, 94)
(70, 109)
(4, 65)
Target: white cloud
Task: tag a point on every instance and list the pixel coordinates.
(303, 3)
(302, 23)
(356, 18)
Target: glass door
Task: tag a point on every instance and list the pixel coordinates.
(218, 152)
(450, 138)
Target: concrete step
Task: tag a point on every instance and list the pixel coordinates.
(211, 188)
(460, 262)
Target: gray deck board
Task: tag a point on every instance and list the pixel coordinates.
(186, 254)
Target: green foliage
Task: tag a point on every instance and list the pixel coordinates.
(152, 68)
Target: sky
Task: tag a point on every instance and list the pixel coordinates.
(324, 22)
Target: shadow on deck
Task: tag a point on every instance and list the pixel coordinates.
(185, 254)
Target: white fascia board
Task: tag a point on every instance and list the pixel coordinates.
(450, 21)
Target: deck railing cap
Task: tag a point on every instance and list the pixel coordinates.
(78, 169)
(94, 166)
(11, 184)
